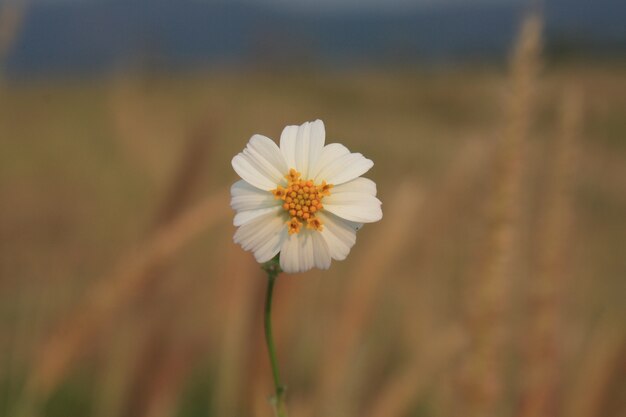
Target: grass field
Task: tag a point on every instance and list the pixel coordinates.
(494, 285)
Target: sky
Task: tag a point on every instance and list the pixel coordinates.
(371, 4)
(337, 5)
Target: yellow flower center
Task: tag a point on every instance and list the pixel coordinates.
(302, 200)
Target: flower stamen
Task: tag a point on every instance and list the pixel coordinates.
(314, 224)
(294, 225)
(302, 200)
(279, 193)
(325, 188)
(293, 176)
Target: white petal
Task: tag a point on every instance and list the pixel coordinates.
(303, 251)
(271, 247)
(246, 216)
(337, 165)
(356, 207)
(321, 252)
(339, 234)
(288, 141)
(290, 255)
(261, 163)
(302, 145)
(246, 197)
(297, 253)
(330, 153)
(358, 185)
(266, 149)
(264, 236)
(309, 147)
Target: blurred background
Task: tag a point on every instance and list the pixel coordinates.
(494, 285)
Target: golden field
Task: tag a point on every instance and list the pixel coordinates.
(493, 286)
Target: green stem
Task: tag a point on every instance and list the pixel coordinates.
(273, 269)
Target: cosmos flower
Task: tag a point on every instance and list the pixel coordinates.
(303, 200)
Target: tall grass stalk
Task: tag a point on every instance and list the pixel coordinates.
(541, 371)
(483, 376)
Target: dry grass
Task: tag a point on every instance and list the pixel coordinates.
(101, 307)
(489, 297)
(399, 395)
(542, 372)
(597, 390)
(360, 303)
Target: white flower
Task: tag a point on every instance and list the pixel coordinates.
(303, 200)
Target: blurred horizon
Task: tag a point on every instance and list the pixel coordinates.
(95, 37)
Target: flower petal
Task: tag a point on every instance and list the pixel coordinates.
(261, 163)
(329, 154)
(288, 140)
(290, 254)
(337, 165)
(356, 207)
(339, 234)
(357, 185)
(271, 247)
(321, 251)
(303, 251)
(302, 145)
(264, 236)
(246, 197)
(246, 216)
